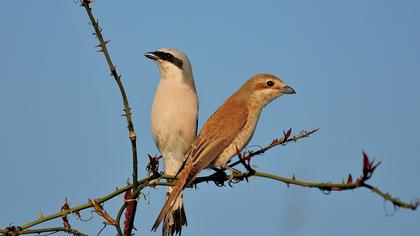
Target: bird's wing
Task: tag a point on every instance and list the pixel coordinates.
(218, 132)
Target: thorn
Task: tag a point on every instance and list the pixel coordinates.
(365, 160)
(368, 167)
(313, 131)
(350, 179)
(238, 152)
(287, 135)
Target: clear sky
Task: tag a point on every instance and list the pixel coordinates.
(354, 64)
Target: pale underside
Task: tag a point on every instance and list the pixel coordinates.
(174, 121)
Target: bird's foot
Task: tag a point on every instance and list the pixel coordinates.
(219, 177)
(233, 178)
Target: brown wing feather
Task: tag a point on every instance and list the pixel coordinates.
(218, 132)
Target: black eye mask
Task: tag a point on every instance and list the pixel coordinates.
(169, 58)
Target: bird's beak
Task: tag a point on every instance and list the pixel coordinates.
(287, 90)
(151, 55)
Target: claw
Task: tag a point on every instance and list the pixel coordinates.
(233, 178)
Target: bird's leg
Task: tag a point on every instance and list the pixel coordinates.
(233, 170)
(232, 178)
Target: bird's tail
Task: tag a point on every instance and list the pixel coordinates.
(176, 217)
(183, 180)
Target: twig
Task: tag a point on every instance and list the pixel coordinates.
(16, 231)
(82, 206)
(129, 201)
(276, 142)
(127, 110)
(321, 186)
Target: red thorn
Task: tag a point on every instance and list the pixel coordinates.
(368, 167)
(238, 152)
(365, 160)
(274, 141)
(294, 177)
(287, 134)
(313, 131)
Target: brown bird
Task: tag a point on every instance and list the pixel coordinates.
(229, 128)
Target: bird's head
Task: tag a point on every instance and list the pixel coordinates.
(264, 88)
(172, 63)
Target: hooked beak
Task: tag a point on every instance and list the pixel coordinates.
(287, 90)
(151, 55)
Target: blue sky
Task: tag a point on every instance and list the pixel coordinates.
(354, 64)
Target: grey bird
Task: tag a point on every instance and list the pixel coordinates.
(228, 129)
(174, 122)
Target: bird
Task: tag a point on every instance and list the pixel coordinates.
(229, 128)
(174, 117)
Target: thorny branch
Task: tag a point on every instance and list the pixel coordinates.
(246, 156)
(12, 230)
(127, 109)
(368, 169)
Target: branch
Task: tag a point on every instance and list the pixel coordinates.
(369, 167)
(321, 186)
(127, 204)
(340, 187)
(236, 177)
(127, 110)
(276, 142)
(83, 206)
(17, 231)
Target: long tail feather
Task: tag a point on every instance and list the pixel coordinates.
(173, 196)
(175, 219)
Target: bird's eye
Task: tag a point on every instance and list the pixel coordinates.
(270, 83)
